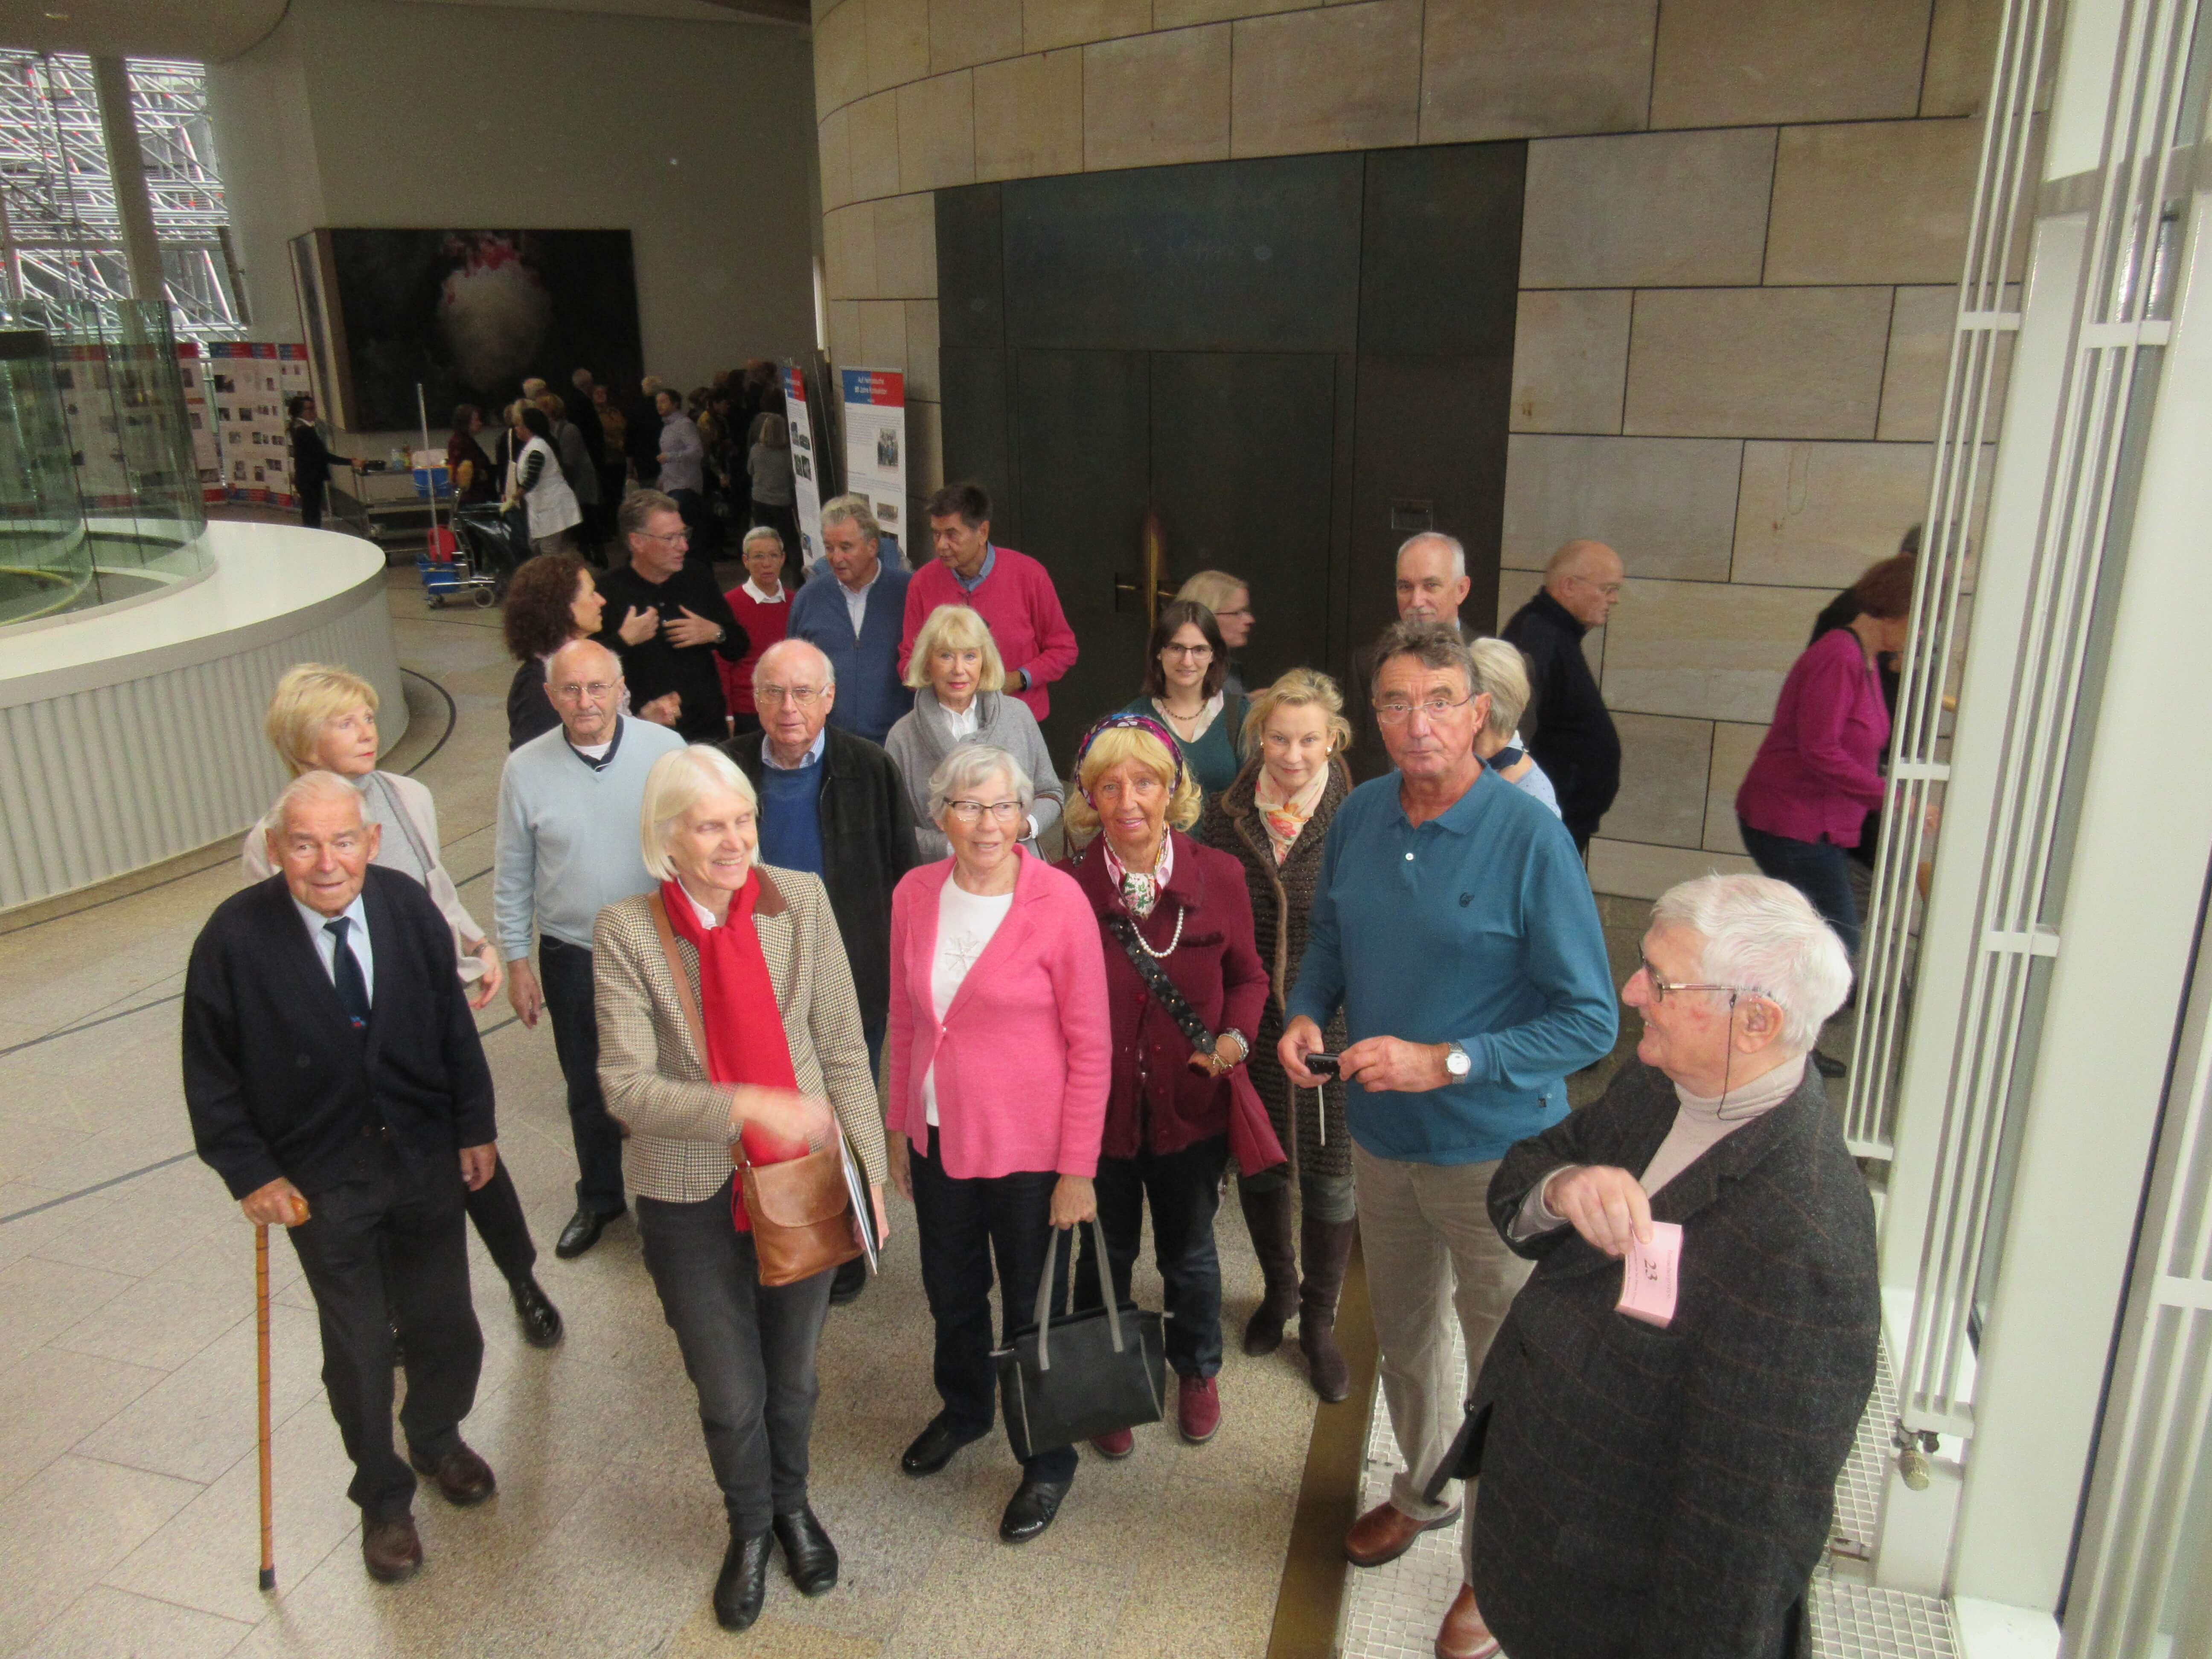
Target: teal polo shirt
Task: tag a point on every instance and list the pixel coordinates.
(1476, 927)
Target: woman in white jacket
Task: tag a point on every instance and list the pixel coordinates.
(536, 480)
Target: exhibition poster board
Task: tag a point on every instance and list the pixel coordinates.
(199, 414)
(806, 488)
(249, 382)
(875, 449)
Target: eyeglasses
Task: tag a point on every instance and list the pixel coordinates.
(1661, 987)
(597, 690)
(1396, 711)
(798, 696)
(971, 812)
(673, 535)
(1223, 616)
(1172, 650)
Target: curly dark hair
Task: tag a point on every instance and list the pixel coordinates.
(538, 600)
(1174, 617)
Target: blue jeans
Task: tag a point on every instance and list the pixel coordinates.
(1820, 870)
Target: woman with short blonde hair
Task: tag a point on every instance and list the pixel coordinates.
(1110, 748)
(1501, 673)
(1230, 598)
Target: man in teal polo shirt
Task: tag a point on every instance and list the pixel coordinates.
(1455, 927)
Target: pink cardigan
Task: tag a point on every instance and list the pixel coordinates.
(1021, 605)
(1024, 1055)
(1814, 775)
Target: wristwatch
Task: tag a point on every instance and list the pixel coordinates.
(1456, 1062)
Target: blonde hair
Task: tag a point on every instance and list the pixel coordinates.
(679, 781)
(1214, 589)
(1500, 670)
(1298, 689)
(309, 697)
(1130, 743)
(956, 627)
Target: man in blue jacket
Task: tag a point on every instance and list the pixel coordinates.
(1454, 927)
(855, 621)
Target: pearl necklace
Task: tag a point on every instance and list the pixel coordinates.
(1161, 956)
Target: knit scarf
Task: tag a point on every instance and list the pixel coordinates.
(745, 1041)
(1285, 815)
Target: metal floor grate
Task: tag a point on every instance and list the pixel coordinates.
(1863, 1621)
(1859, 1488)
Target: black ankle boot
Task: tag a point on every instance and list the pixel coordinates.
(742, 1585)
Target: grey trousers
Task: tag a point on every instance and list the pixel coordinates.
(1424, 1229)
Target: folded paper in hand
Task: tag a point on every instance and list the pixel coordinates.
(1647, 1277)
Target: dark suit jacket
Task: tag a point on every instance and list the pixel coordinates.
(1567, 726)
(659, 664)
(868, 844)
(277, 1081)
(1666, 1494)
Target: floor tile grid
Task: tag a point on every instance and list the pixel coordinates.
(1858, 1489)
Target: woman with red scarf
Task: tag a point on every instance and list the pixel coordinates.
(784, 1049)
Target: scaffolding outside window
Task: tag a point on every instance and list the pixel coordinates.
(61, 238)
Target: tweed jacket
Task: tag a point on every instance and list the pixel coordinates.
(1282, 898)
(1652, 1493)
(655, 1081)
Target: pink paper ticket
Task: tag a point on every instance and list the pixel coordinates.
(1647, 1278)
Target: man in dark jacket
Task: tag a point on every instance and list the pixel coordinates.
(1566, 726)
(695, 622)
(337, 1085)
(834, 804)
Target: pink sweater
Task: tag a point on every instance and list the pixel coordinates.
(1023, 1054)
(1019, 601)
(1814, 774)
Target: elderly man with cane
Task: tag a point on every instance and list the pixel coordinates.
(329, 1056)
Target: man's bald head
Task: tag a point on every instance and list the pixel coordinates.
(585, 681)
(1585, 577)
(800, 657)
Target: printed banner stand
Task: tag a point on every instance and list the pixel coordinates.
(875, 449)
(806, 485)
(249, 382)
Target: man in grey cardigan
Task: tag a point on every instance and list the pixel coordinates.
(569, 804)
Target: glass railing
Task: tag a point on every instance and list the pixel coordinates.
(99, 498)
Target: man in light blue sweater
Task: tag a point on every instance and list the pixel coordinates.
(568, 806)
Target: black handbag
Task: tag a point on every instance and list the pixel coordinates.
(1073, 1378)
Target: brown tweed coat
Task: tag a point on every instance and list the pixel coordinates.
(1282, 902)
(1666, 1493)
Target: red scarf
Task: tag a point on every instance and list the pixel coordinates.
(746, 1041)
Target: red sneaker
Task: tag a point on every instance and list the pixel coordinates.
(1198, 1407)
(1114, 1446)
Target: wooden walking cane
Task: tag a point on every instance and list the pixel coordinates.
(261, 1339)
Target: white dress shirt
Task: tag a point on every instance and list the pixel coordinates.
(856, 604)
(326, 946)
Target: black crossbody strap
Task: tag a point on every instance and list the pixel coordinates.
(1162, 987)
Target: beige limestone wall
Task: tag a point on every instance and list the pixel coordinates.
(1745, 221)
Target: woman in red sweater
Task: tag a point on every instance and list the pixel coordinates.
(762, 604)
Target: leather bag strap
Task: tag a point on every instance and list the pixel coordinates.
(1162, 987)
(1044, 1290)
(686, 1000)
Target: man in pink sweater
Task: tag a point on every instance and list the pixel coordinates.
(1010, 591)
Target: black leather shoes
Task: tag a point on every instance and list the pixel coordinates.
(583, 1232)
(390, 1549)
(934, 1447)
(807, 1552)
(742, 1585)
(852, 1279)
(541, 1319)
(1031, 1510)
(462, 1477)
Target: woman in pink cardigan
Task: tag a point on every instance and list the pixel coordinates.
(999, 1053)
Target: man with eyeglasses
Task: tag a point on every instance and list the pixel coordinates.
(1454, 927)
(832, 803)
(693, 622)
(566, 847)
(1566, 726)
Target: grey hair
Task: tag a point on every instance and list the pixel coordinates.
(1501, 670)
(1433, 645)
(679, 780)
(838, 508)
(1764, 935)
(828, 668)
(1458, 550)
(761, 533)
(637, 510)
(970, 766)
(314, 786)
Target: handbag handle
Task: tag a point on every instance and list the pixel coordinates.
(689, 1003)
(1044, 1290)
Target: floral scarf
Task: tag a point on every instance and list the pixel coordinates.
(1287, 816)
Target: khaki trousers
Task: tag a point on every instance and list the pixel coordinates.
(1431, 1250)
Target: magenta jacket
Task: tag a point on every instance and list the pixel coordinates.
(1814, 775)
(1022, 1055)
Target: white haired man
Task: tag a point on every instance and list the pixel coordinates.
(337, 1085)
(855, 621)
(1430, 584)
(1568, 728)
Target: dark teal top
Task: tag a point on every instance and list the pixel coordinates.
(1218, 756)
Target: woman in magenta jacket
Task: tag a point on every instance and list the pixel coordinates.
(997, 1051)
(1186, 908)
(1817, 774)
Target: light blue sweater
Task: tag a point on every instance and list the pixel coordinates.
(568, 844)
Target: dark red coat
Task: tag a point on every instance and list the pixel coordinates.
(1216, 967)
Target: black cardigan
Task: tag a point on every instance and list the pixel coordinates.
(661, 665)
(277, 1080)
(1568, 727)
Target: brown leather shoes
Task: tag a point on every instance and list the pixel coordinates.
(463, 1477)
(1385, 1533)
(390, 1549)
(1464, 1636)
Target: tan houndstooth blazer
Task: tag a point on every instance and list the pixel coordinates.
(655, 1082)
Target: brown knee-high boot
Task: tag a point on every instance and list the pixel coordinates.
(1326, 1246)
(1268, 1215)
